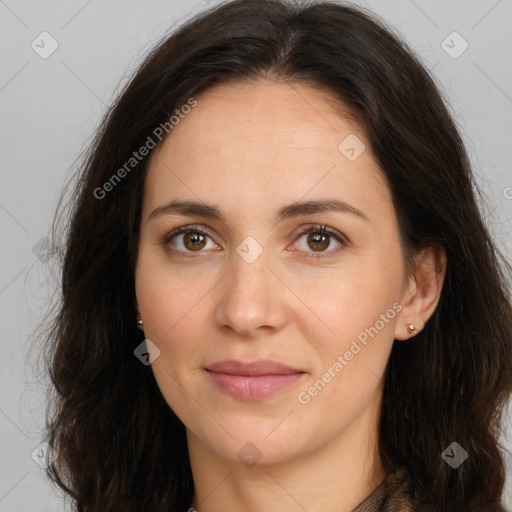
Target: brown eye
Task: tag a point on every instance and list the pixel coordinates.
(319, 239)
(188, 239)
(194, 241)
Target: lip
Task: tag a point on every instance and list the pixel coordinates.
(258, 367)
(253, 380)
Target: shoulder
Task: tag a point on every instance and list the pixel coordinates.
(394, 494)
(402, 495)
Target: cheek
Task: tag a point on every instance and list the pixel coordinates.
(358, 307)
(168, 296)
(171, 307)
(351, 299)
(351, 353)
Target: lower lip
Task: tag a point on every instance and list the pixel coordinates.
(253, 387)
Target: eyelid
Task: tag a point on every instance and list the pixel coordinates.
(185, 229)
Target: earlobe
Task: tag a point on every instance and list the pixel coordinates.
(423, 293)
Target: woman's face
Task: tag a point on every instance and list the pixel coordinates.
(253, 287)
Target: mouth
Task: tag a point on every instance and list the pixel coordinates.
(253, 380)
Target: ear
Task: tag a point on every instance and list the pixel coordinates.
(421, 291)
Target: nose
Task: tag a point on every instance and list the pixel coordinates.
(252, 297)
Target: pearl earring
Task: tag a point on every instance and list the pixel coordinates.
(140, 325)
(411, 328)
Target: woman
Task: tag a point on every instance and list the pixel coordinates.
(281, 204)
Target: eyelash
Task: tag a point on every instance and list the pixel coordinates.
(317, 228)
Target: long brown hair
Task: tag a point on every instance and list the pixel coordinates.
(119, 446)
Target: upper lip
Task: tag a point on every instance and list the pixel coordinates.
(259, 367)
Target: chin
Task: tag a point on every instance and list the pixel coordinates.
(256, 441)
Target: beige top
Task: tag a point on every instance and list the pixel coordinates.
(394, 494)
(397, 494)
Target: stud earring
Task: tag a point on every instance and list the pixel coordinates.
(411, 328)
(140, 325)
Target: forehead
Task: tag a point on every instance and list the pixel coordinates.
(277, 139)
(273, 113)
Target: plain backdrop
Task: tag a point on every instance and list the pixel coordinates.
(50, 105)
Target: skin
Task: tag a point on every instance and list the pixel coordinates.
(249, 150)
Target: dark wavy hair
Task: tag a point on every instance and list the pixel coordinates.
(119, 446)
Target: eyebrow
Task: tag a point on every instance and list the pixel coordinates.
(286, 212)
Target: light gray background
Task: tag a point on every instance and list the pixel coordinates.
(50, 107)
